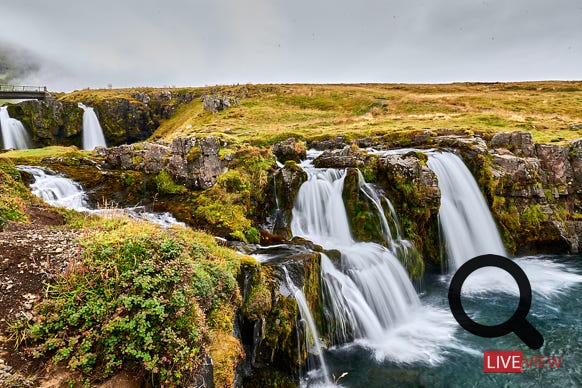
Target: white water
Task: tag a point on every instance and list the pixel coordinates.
(14, 134)
(92, 131)
(56, 190)
(312, 340)
(469, 230)
(368, 296)
(466, 222)
(60, 191)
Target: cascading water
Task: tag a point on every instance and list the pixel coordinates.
(14, 134)
(92, 131)
(56, 190)
(469, 230)
(466, 222)
(368, 296)
(312, 338)
(60, 191)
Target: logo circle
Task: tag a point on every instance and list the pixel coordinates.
(525, 296)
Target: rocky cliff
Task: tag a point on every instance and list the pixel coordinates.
(124, 119)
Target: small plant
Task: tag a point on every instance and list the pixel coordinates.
(138, 299)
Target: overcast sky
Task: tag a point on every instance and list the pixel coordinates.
(188, 42)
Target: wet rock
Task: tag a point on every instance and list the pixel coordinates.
(520, 143)
(575, 154)
(290, 149)
(288, 180)
(518, 176)
(466, 145)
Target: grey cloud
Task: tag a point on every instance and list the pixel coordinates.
(183, 42)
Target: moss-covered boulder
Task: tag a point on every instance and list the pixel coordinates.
(413, 189)
(288, 181)
(50, 122)
(269, 316)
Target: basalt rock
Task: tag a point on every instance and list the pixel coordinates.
(349, 156)
(535, 192)
(215, 103)
(290, 149)
(192, 162)
(51, 122)
(123, 119)
(519, 143)
(288, 180)
(413, 189)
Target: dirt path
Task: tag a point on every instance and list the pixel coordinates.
(30, 256)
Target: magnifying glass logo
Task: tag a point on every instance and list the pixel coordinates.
(517, 323)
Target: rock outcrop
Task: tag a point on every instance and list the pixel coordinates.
(215, 104)
(290, 149)
(192, 162)
(123, 119)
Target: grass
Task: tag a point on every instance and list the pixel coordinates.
(37, 154)
(310, 112)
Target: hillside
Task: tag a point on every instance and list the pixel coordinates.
(268, 113)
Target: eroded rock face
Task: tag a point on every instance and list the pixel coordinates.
(124, 120)
(50, 121)
(192, 162)
(520, 143)
(535, 192)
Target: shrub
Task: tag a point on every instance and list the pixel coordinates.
(137, 300)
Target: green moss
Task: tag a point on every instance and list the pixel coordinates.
(194, 154)
(14, 195)
(137, 160)
(166, 185)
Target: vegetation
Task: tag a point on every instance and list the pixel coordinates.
(141, 298)
(13, 194)
(270, 113)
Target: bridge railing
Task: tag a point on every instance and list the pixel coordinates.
(13, 88)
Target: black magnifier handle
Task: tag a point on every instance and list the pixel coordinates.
(529, 335)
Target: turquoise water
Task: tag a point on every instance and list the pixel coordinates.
(556, 312)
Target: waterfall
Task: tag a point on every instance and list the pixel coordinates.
(92, 132)
(14, 134)
(55, 189)
(312, 338)
(368, 297)
(60, 191)
(466, 222)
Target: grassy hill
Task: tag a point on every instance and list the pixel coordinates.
(268, 113)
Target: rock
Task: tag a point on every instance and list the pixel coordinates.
(575, 155)
(334, 144)
(519, 177)
(346, 157)
(288, 180)
(214, 103)
(575, 127)
(555, 164)
(520, 143)
(191, 162)
(290, 149)
(466, 145)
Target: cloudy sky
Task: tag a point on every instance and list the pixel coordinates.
(189, 42)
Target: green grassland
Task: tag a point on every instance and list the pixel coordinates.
(268, 113)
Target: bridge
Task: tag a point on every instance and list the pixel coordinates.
(11, 92)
